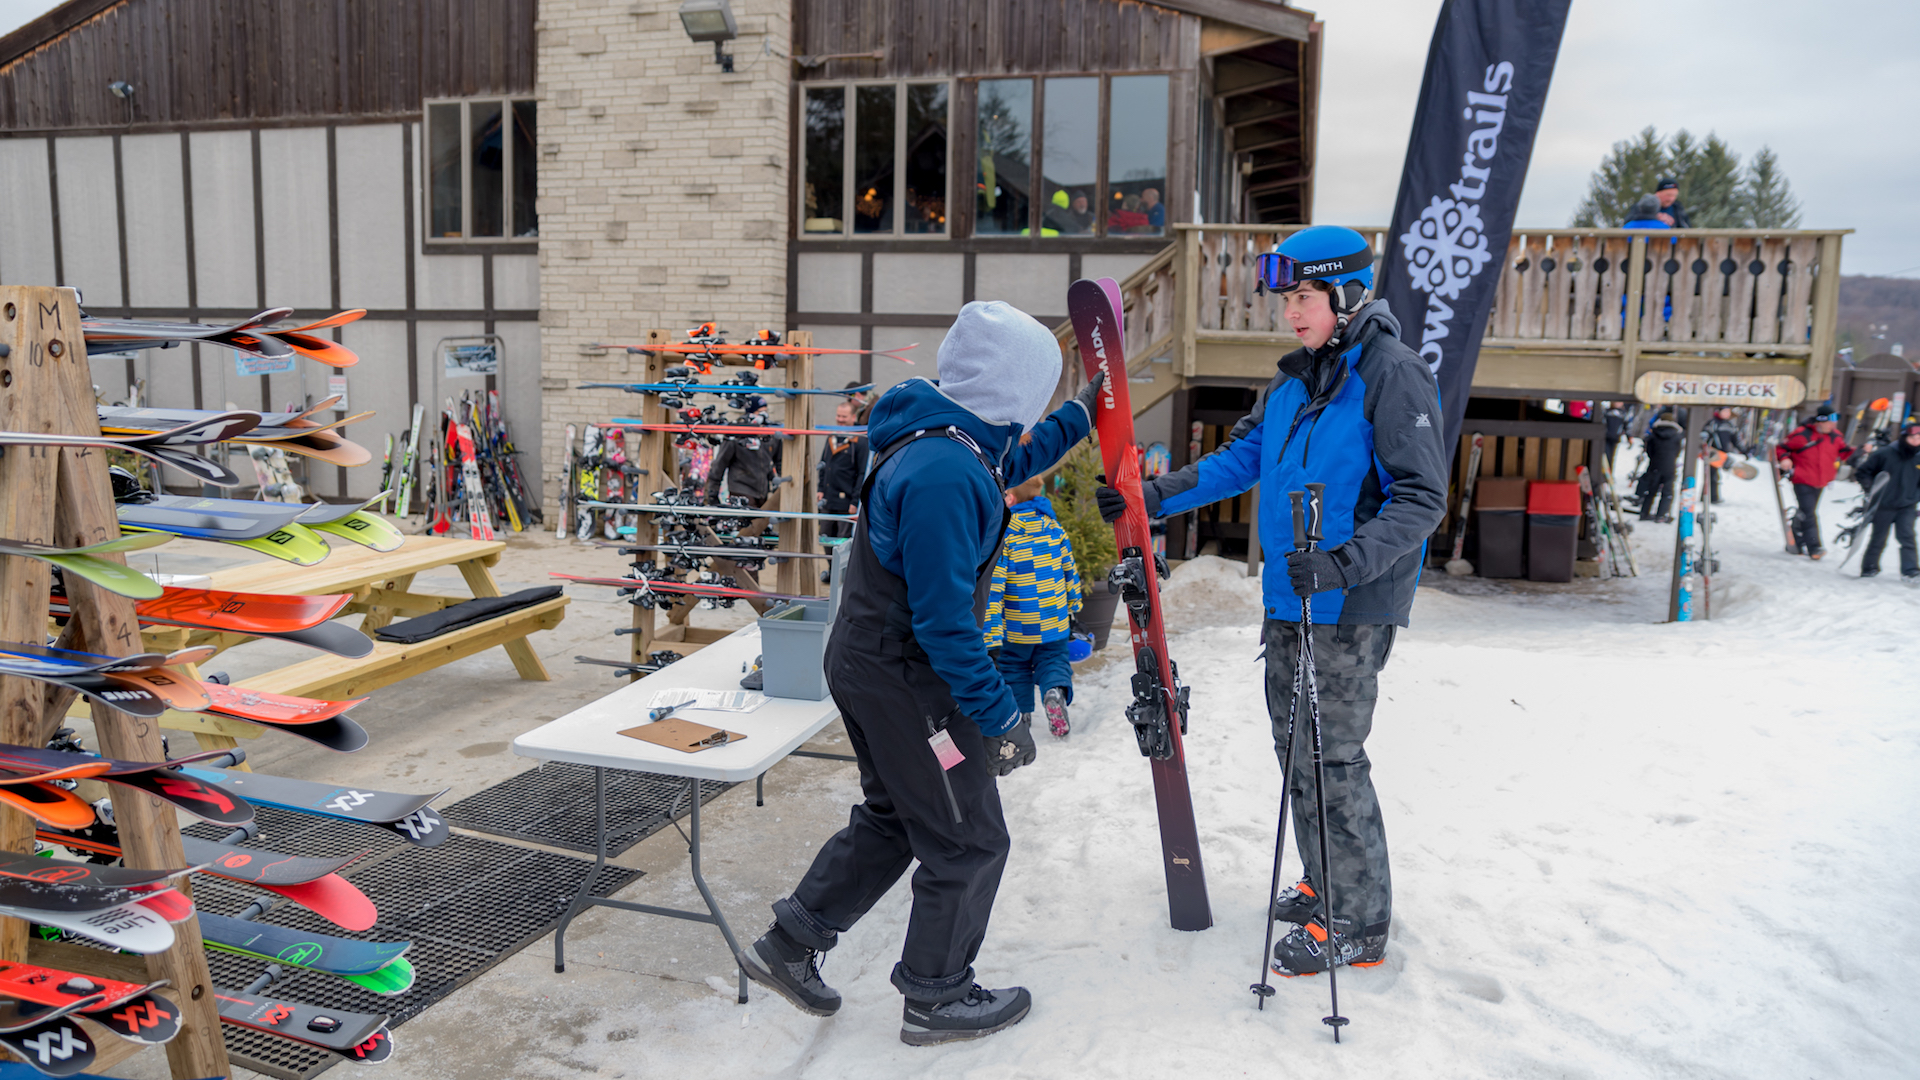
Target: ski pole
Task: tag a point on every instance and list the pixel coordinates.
(1315, 506)
(1264, 989)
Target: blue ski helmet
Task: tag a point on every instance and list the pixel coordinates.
(1330, 253)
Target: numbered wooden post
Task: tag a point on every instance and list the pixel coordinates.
(65, 497)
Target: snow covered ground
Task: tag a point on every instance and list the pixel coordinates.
(1620, 849)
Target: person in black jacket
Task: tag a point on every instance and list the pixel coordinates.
(1616, 417)
(843, 464)
(750, 465)
(1663, 460)
(1900, 463)
(1722, 434)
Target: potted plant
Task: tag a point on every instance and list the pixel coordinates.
(1071, 491)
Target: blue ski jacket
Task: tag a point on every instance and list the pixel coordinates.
(1365, 421)
(935, 516)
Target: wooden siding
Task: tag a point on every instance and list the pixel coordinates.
(988, 37)
(207, 62)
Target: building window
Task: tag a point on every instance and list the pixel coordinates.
(1004, 142)
(890, 178)
(480, 170)
(1077, 194)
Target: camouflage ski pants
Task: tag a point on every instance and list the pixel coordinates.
(1347, 661)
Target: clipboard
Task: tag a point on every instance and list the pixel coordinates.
(683, 735)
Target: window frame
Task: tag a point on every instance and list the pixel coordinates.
(847, 147)
(466, 239)
(1036, 205)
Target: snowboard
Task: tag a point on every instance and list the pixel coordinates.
(58, 1047)
(133, 926)
(1850, 534)
(587, 494)
(83, 876)
(130, 1010)
(320, 512)
(302, 948)
(261, 707)
(312, 883)
(1159, 709)
(411, 816)
(246, 613)
(568, 485)
(82, 563)
(365, 528)
(53, 660)
(362, 1038)
(1780, 501)
(268, 476)
(54, 807)
(208, 519)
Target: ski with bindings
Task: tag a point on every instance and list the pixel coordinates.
(1159, 709)
(722, 389)
(689, 588)
(361, 1038)
(567, 488)
(409, 464)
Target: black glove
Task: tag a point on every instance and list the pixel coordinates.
(1113, 504)
(1090, 392)
(1008, 752)
(1314, 571)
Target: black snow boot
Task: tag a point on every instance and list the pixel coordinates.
(981, 1012)
(1306, 952)
(1299, 904)
(791, 970)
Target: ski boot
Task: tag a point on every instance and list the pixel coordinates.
(1055, 702)
(1306, 952)
(1298, 904)
(791, 970)
(981, 1012)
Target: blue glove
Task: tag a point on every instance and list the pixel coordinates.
(1314, 571)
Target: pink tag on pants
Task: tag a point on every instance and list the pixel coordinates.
(944, 749)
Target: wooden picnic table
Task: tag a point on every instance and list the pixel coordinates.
(382, 587)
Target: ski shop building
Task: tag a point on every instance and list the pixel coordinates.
(546, 175)
(550, 176)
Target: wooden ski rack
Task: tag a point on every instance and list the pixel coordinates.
(658, 455)
(64, 496)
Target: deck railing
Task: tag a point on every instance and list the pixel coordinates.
(1727, 295)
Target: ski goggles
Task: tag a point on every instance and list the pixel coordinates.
(1284, 273)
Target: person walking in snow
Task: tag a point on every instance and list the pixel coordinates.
(1899, 461)
(1722, 434)
(1031, 605)
(1357, 410)
(1809, 457)
(931, 721)
(1663, 441)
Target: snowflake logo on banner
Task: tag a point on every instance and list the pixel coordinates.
(1446, 247)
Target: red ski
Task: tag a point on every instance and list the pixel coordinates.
(1159, 709)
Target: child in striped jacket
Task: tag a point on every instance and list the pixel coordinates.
(1034, 596)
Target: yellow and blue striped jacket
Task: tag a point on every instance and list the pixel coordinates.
(1036, 587)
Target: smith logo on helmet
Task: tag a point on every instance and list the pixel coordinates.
(1319, 268)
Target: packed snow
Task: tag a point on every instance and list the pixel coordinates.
(1621, 848)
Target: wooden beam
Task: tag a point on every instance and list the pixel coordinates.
(1238, 75)
(1217, 38)
(1279, 21)
(1630, 335)
(1252, 109)
(1826, 320)
(1276, 185)
(1262, 137)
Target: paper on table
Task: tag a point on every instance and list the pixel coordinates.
(741, 701)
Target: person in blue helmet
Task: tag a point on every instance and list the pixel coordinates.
(1357, 410)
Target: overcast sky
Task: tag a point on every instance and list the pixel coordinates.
(1835, 91)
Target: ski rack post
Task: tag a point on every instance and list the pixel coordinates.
(795, 535)
(63, 496)
(661, 459)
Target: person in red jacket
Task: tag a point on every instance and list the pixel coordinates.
(1809, 457)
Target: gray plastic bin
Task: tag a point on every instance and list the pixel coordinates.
(793, 644)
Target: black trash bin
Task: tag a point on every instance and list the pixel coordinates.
(1500, 503)
(1553, 530)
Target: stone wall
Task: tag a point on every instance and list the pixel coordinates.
(663, 190)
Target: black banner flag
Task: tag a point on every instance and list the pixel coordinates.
(1480, 103)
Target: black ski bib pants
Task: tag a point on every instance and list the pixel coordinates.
(891, 701)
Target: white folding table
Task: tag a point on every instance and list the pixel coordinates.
(590, 735)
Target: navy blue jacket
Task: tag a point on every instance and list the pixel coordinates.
(1365, 422)
(935, 516)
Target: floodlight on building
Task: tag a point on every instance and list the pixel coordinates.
(711, 20)
(121, 88)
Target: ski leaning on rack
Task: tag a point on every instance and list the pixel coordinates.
(1159, 709)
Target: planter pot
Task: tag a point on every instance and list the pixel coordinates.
(1096, 612)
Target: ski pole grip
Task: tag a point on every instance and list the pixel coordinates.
(1316, 496)
(1299, 520)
